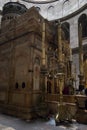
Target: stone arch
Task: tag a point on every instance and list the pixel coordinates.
(38, 9)
(83, 21)
(37, 60)
(65, 6)
(66, 30)
(50, 11)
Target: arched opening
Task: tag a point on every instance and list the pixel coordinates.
(83, 21)
(65, 7)
(38, 9)
(49, 85)
(23, 85)
(50, 11)
(66, 30)
(16, 85)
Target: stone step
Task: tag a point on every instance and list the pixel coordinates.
(81, 116)
(2, 127)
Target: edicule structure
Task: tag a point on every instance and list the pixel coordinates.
(36, 75)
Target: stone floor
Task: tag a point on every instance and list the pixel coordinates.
(12, 123)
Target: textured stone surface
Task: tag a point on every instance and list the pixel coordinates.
(20, 61)
(17, 124)
(59, 8)
(2, 127)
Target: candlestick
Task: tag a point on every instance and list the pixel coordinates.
(43, 44)
(59, 43)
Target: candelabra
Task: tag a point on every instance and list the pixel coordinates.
(61, 115)
(60, 77)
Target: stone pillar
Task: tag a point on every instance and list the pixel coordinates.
(73, 32)
(74, 44)
(80, 56)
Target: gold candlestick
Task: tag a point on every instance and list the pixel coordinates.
(43, 67)
(43, 44)
(60, 76)
(59, 44)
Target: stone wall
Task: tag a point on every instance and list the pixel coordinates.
(20, 52)
(53, 10)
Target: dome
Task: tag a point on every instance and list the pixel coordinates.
(11, 10)
(14, 7)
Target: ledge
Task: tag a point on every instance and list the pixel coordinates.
(2, 127)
